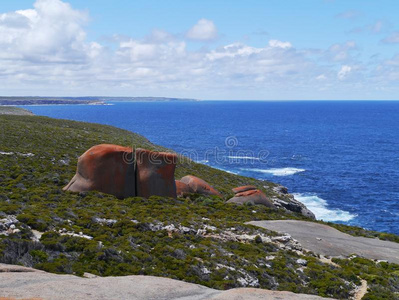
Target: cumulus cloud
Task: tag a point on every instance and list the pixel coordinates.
(52, 31)
(344, 72)
(204, 30)
(44, 50)
(279, 44)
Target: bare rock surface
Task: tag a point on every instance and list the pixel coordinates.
(199, 186)
(20, 282)
(106, 168)
(328, 241)
(125, 172)
(246, 194)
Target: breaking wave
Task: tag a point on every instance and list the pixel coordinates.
(277, 171)
(320, 208)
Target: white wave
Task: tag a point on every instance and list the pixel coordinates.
(320, 208)
(277, 171)
(203, 161)
(243, 157)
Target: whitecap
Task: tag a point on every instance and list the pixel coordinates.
(320, 208)
(203, 161)
(276, 171)
(244, 157)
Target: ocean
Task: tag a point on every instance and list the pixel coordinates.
(340, 158)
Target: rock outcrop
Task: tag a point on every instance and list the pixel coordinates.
(182, 189)
(18, 282)
(125, 172)
(155, 173)
(105, 168)
(199, 186)
(287, 201)
(250, 194)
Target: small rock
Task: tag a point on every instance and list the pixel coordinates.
(302, 262)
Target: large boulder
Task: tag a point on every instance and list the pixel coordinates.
(199, 186)
(182, 189)
(124, 172)
(105, 168)
(155, 173)
(253, 196)
(243, 188)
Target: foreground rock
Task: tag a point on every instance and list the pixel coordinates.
(325, 240)
(124, 172)
(21, 282)
(250, 194)
(199, 186)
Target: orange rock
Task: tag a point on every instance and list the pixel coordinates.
(182, 189)
(199, 186)
(251, 196)
(243, 188)
(122, 172)
(105, 168)
(155, 173)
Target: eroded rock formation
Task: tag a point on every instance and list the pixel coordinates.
(155, 173)
(124, 172)
(250, 194)
(105, 168)
(199, 186)
(182, 189)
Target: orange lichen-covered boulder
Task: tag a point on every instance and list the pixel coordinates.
(182, 189)
(243, 188)
(123, 172)
(155, 173)
(199, 186)
(105, 168)
(251, 196)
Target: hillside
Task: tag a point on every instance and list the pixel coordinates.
(198, 239)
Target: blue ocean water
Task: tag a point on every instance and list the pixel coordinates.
(340, 158)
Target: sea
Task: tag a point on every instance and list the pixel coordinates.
(340, 158)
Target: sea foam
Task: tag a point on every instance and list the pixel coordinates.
(276, 171)
(320, 208)
(244, 157)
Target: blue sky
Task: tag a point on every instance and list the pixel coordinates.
(260, 50)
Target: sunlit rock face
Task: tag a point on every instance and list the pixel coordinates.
(199, 186)
(155, 173)
(182, 189)
(250, 194)
(125, 172)
(105, 168)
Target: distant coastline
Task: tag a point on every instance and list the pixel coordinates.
(36, 100)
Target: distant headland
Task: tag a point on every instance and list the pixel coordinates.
(36, 100)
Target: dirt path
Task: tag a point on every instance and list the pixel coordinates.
(328, 241)
(362, 290)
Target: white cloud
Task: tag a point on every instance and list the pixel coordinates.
(344, 72)
(279, 44)
(340, 52)
(52, 31)
(44, 51)
(204, 30)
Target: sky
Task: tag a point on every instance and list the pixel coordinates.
(213, 50)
